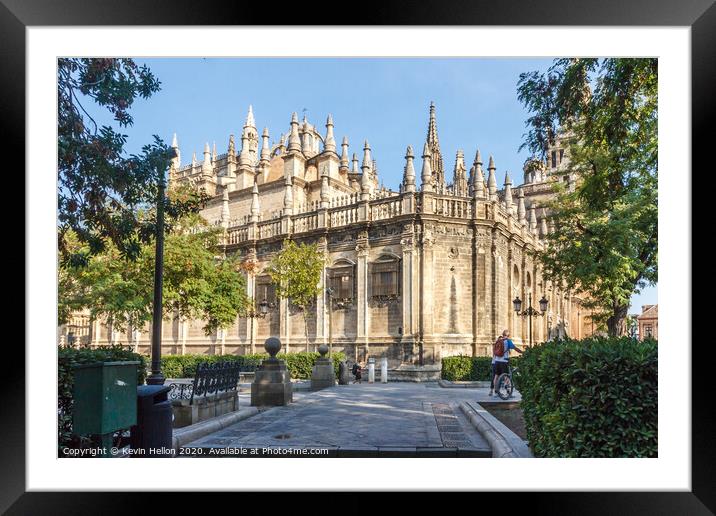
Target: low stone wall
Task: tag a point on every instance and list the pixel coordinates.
(203, 408)
(407, 373)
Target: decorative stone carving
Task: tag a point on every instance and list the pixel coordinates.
(362, 249)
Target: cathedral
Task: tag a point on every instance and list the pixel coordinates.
(427, 271)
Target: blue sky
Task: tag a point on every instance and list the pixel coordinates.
(383, 100)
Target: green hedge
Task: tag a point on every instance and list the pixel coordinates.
(591, 398)
(299, 364)
(69, 357)
(465, 368)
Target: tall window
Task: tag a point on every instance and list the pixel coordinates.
(385, 278)
(554, 159)
(341, 279)
(265, 289)
(648, 330)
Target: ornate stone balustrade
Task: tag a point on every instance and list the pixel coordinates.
(305, 222)
(269, 228)
(343, 216)
(386, 208)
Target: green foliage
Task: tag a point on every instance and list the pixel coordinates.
(296, 271)
(100, 188)
(299, 364)
(591, 398)
(196, 283)
(605, 243)
(466, 368)
(69, 357)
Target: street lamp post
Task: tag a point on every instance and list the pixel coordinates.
(157, 378)
(529, 311)
(252, 314)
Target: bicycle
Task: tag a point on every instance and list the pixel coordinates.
(505, 384)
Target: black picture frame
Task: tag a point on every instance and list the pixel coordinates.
(699, 15)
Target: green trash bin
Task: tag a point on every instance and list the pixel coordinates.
(105, 399)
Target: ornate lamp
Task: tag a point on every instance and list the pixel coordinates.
(543, 304)
(517, 304)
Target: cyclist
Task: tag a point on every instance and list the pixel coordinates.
(501, 356)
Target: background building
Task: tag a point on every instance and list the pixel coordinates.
(417, 274)
(648, 322)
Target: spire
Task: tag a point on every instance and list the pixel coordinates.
(459, 175)
(244, 154)
(533, 219)
(206, 165)
(508, 194)
(294, 143)
(265, 149)
(344, 155)
(426, 175)
(255, 210)
(409, 174)
(250, 118)
(213, 153)
(521, 215)
(232, 146)
(491, 181)
(193, 160)
(478, 179)
(330, 143)
(354, 168)
(367, 161)
(176, 161)
(543, 224)
(436, 159)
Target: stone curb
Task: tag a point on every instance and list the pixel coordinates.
(503, 441)
(187, 434)
(447, 384)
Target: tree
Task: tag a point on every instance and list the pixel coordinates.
(296, 271)
(198, 283)
(100, 188)
(605, 242)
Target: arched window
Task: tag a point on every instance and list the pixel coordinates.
(265, 290)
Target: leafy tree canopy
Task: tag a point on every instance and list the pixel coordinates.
(296, 271)
(605, 242)
(198, 281)
(101, 189)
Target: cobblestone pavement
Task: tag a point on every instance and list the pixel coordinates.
(393, 419)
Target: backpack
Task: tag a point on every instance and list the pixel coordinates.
(498, 348)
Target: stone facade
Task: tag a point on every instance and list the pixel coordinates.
(417, 274)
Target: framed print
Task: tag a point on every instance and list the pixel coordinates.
(377, 252)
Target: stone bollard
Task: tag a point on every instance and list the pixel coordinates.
(384, 370)
(323, 375)
(272, 381)
(371, 370)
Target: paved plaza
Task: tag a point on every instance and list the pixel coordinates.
(393, 419)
